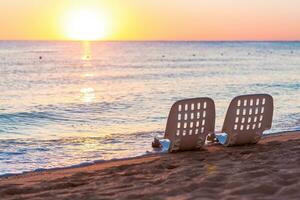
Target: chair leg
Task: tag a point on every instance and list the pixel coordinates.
(156, 143)
(212, 138)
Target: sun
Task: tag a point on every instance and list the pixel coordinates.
(85, 24)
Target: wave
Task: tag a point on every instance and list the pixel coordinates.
(62, 112)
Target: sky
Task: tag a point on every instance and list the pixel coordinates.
(150, 19)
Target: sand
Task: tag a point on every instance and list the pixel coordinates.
(268, 170)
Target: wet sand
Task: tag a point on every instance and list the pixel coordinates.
(267, 170)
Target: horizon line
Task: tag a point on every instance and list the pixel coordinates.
(61, 40)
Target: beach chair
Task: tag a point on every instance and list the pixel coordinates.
(247, 117)
(189, 123)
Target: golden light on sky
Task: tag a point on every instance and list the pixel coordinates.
(149, 20)
(85, 24)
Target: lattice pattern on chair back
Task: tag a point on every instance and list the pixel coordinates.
(248, 116)
(189, 122)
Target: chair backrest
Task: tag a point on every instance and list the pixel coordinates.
(189, 123)
(247, 117)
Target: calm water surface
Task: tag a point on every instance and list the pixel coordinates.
(66, 103)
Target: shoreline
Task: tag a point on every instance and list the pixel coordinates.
(146, 154)
(80, 165)
(270, 169)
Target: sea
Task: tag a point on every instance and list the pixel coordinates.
(71, 103)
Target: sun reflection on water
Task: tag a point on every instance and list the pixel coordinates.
(88, 94)
(88, 75)
(86, 51)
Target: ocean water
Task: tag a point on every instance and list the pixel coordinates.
(67, 103)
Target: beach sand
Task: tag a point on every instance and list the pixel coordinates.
(267, 170)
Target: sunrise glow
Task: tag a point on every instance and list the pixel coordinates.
(85, 24)
(150, 20)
